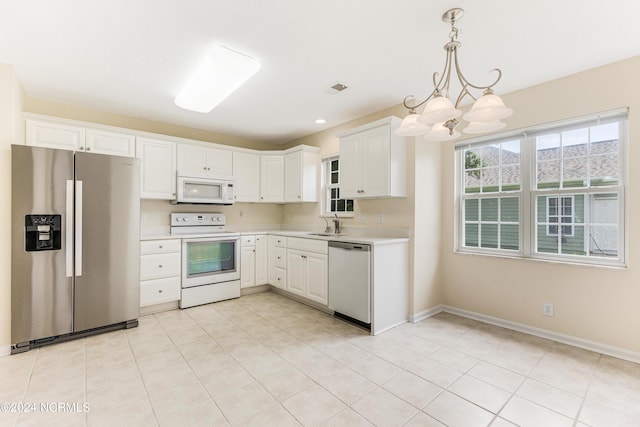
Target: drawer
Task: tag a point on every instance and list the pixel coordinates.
(280, 241)
(309, 245)
(159, 291)
(248, 240)
(160, 246)
(156, 266)
(280, 257)
(280, 278)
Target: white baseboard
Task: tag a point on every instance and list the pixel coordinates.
(425, 314)
(5, 350)
(597, 347)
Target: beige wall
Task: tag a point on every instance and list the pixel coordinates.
(11, 97)
(66, 111)
(596, 304)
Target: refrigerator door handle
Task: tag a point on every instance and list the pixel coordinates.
(78, 228)
(69, 230)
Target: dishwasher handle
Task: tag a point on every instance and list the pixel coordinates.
(350, 246)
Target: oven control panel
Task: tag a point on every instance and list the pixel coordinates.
(197, 219)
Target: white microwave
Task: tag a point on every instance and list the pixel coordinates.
(210, 191)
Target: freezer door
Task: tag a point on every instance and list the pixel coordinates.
(41, 283)
(107, 262)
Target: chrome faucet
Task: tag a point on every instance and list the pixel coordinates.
(336, 221)
(327, 229)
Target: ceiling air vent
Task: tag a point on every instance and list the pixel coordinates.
(338, 87)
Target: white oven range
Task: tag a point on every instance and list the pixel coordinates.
(210, 258)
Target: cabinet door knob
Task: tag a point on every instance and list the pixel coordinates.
(278, 257)
(159, 291)
(88, 148)
(160, 247)
(160, 266)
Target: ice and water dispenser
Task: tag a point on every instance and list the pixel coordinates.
(43, 232)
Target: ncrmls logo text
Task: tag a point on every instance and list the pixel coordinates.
(64, 407)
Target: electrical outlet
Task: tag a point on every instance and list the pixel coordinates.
(362, 217)
(241, 215)
(143, 217)
(380, 218)
(547, 309)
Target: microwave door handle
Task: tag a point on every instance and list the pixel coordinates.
(69, 230)
(78, 228)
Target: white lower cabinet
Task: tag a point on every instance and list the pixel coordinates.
(277, 261)
(253, 261)
(160, 271)
(307, 268)
(262, 253)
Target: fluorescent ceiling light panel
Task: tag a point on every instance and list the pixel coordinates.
(222, 72)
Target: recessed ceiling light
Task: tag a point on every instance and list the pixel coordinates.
(219, 75)
(320, 121)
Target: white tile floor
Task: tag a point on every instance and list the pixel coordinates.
(265, 360)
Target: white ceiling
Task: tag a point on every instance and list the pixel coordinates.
(132, 56)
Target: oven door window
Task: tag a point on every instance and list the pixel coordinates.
(207, 258)
(201, 191)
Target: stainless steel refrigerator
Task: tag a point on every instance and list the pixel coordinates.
(75, 244)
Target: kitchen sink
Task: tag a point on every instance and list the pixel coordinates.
(325, 234)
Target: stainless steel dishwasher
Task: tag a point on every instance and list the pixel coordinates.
(350, 281)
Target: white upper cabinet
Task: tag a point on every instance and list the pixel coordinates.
(246, 176)
(157, 169)
(200, 161)
(301, 175)
(373, 161)
(103, 142)
(69, 137)
(272, 178)
(55, 135)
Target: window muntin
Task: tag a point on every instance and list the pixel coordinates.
(570, 209)
(334, 204)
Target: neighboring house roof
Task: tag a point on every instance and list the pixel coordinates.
(603, 164)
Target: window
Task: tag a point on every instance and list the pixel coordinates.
(560, 214)
(333, 203)
(552, 192)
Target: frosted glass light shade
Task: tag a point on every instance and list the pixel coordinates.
(219, 75)
(412, 127)
(483, 127)
(488, 107)
(439, 109)
(440, 133)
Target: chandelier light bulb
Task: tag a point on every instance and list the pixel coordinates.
(410, 126)
(439, 133)
(439, 109)
(483, 127)
(488, 107)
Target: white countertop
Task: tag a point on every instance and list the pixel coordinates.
(369, 240)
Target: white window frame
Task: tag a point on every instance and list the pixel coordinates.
(327, 186)
(529, 195)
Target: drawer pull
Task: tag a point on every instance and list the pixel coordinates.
(160, 266)
(160, 247)
(278, 257)
(159, 291)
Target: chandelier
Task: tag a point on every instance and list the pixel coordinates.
(439, 118)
